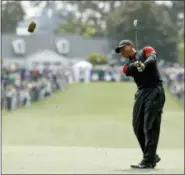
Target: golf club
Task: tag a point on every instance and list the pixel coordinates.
(135, 26)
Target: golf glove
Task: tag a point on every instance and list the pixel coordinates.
(140, 66)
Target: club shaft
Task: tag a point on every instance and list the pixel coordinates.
(136, 39)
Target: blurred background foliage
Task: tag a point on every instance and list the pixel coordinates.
(159, 25)
(97, 59)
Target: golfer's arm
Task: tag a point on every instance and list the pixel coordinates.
(127, 69)
(150, 59)
(151, 56)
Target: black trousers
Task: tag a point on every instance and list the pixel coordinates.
(147, 112)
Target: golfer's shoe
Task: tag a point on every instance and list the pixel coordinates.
(147, 165)
(157, 159)
(144, 165)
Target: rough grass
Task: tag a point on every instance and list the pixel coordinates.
(86, 130)
(94, 115)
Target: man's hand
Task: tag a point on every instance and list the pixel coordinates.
(137, 63)
(140, 66)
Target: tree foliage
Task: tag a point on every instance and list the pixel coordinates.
(91, 16)
(160, 26)
(12, 13)
(155, 27)
(86, 18)
(97, 59)
(75, 26)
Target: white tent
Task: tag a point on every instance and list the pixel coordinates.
(47, 56)
(83, 64)
(82, 70)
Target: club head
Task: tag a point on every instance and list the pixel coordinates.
(135, 23)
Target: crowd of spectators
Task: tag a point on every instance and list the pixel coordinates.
(173, 77)
(22, 87)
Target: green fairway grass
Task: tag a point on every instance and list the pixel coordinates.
(94, 115)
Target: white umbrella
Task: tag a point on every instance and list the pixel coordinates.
(83, 64)
(86, 66)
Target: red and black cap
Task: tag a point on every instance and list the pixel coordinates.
(122, 44)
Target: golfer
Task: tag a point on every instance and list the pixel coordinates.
(149, 99)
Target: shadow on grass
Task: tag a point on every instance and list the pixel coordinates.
(147, 171)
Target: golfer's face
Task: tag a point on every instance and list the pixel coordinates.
(125, 51)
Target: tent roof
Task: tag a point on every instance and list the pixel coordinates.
(47, 56)
(83, 64)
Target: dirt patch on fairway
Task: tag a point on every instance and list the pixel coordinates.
(39, 160)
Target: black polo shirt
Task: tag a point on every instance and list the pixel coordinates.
(150, 77)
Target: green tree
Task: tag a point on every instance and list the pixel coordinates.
(12, 13)
(86, 23)
(87, 18)
(155, 27)
(176, 11)
(74, 25)
(97, 59)
(91, 16)
(83, 20)
(70, 25)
